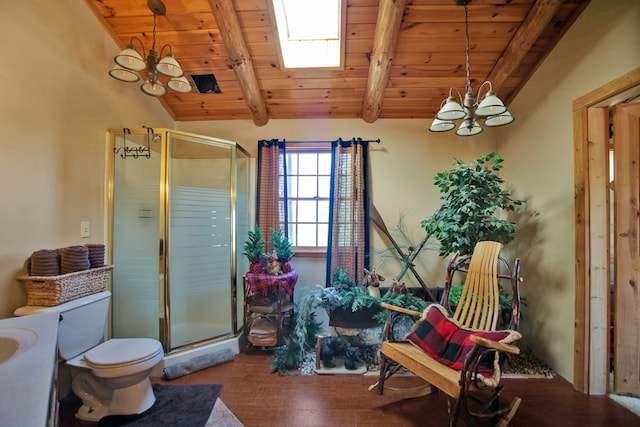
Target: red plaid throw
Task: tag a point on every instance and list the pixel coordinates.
(265, 283)
(447, 342)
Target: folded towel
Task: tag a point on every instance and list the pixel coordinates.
(74, 258)
(96, 254)
(197, 363)
(45, 262)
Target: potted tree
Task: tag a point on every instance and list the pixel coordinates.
(254, 250)
(281, 246)
(471, 195)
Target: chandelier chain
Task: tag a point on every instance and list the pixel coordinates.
(466, 31)
(469, 108)
(153, 43)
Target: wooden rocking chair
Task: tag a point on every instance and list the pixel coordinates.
(477, 312)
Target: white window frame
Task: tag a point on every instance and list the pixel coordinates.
(294, 217)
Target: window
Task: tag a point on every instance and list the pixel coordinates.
(308, 185)
(309, 32)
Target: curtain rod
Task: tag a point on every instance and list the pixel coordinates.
(315, 141)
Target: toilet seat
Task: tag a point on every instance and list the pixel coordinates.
(119, 357)
(121, 352)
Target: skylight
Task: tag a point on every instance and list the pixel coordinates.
(309, 32)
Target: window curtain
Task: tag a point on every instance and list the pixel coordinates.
(348, 244)
(271, 207)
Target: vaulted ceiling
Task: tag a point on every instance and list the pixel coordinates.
(401, 56)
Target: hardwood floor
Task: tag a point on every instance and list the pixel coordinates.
(261, 398)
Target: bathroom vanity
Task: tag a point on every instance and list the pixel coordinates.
(28, 368)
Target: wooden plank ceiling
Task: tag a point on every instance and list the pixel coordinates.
(401, 56)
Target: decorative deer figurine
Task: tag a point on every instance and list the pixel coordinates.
(398, 288)
(372, 281)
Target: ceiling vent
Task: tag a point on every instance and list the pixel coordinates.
(206, 83)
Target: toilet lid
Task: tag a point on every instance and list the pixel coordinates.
(122, 351)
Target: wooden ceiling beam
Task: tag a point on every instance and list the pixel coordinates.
(534, 24)
(390, 14)
(235, 45)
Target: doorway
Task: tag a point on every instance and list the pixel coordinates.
(600, 240)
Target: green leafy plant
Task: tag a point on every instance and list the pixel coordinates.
(343, 293)
(289, 355)
(505, 302)
(401, 300)
(281, 245)
(471, 195)
(254, 246)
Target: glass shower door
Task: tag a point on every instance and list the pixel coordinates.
(135, 224)
(199, 249)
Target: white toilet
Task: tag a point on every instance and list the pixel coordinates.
(110, 377)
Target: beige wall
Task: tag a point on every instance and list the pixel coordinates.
(403, 166)
(603, 44)
(57, 101)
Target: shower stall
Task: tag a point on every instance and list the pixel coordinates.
(179, 213)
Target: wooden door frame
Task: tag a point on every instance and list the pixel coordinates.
(587, 224)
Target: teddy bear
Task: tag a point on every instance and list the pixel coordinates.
(273, 266)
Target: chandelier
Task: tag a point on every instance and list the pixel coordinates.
(491, 108)
(129, 62)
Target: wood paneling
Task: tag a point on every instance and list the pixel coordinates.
(508, 39)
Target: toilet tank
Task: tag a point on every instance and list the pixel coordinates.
(83, 322)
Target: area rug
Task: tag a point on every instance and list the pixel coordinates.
(221, 416)
(188, 405)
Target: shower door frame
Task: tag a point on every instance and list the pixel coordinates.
(163, 224)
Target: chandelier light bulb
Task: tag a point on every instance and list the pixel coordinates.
(181, 84)
(153, 88)
(499, 120)
(130, 59)
(451, 110)
(491, 105)
(168, 66)
(124, 75)
(469, 127)
(441, 125)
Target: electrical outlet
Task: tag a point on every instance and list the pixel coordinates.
(85, 229)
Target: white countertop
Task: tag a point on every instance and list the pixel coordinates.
(26, 378)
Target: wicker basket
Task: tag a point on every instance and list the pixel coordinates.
(54, 290)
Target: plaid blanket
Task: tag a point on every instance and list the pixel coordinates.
(447, 342)
(265, 283)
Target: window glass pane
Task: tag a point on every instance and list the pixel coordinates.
(308, 163)
(323, 234)
(307, 211)
(308, 186)
(324, 184)
(324, 163)
(292, 206)
(323, 211)
(292, 186)
(292, 235)
(307, 235)
(309, 32)
(292, 163)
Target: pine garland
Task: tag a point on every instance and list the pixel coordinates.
(343, 294)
